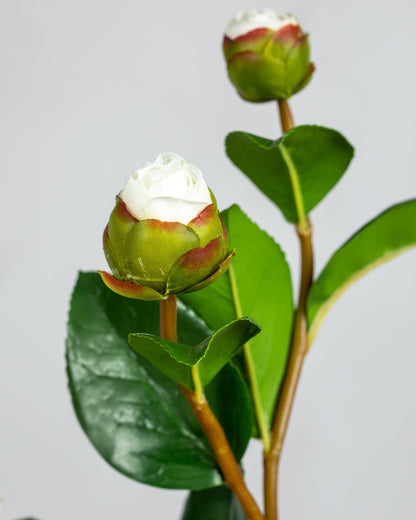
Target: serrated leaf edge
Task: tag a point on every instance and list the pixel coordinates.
(204, 348)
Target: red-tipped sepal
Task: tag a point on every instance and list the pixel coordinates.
(120, 223)
(196, 265)
(207, 225)
(222, 268)
(255, 41)
(306, 79)
(129, 290)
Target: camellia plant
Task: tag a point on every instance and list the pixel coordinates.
(193, 344)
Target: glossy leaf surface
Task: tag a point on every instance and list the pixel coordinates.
(264, 292)
(295, 172)
(388, 235)
(218, 503)
(136, 417)
(176, 359)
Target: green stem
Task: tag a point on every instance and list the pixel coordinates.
(260, 416)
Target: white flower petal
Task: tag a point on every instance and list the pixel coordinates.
(169, 181)
(174, 184)
(250, 19)
(169, 209)
(134, 195)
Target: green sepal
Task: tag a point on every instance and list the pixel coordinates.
(257, 78)
(120, 223)
(152, 247)
(278, 50)
(298, 64)
(175, 359)
(207, 225)
(197, 265)
(296, 171)
(287, 40)
(306, 79)
(222, 268)
(110, 254)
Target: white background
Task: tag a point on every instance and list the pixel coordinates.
(90, 87)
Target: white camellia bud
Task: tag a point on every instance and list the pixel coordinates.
(267, 55)
(169, 189)
(251, 19)
(165, 234)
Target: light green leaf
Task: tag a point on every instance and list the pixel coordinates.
(296, 171)
(383, 238)
(264, 292)
(218, 503)
(136, 417)
(175, 359)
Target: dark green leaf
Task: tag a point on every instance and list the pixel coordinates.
(264, 290)
(295, 172)
(213, 504)
(388, 235)
(136, 417)
(229, 398)
(175, 359)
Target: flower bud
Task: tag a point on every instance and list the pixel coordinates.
(267, 55)
(165, 234)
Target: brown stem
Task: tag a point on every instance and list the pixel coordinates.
(209, 423)
(225, 458)
(287, 394)
(168, 318)
(286, 117)
(298, 351)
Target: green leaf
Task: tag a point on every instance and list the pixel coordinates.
(264, 291)
(295, 172)
(218, 503)
(137, 418)
(175, 359)
(383, 238)
(229, 398)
